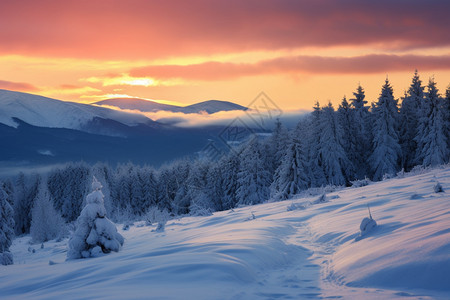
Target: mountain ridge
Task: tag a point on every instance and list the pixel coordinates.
(143, 105)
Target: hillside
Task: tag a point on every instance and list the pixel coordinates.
(297, 249)
(46, 112)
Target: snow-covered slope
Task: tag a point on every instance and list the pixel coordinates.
(210, 106)
(297, 249)
(46, 112)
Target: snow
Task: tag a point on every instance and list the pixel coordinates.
(47, 112)
(267, 251)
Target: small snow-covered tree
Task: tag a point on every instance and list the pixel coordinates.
(46, 222)
(386, 148)
(95, 233)
(6, 229)
(431, 140)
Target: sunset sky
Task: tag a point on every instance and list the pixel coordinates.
(183, 52)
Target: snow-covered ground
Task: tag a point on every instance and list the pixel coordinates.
(311, 251)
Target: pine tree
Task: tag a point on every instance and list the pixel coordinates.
(386, 154)
(347, 137)
(431, 140)
(276, 146)
(6, 228)
(95, 233)
(446, 108)
(46, 222)
(291, 176)
(363, 135)
(332, 157)
(23, 202)
(409, 121)
(197, 193)
(230, 168)
(254, 180)
(313, 126)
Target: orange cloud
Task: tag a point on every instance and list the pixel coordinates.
(366, 64)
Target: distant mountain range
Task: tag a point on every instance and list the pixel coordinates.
(210, 107)
(36, 130)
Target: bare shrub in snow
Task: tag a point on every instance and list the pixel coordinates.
(367, 224)
(438, 187)
(321, 199)
(360, 183)
(296, 206)
(95, 233)
(160, 217)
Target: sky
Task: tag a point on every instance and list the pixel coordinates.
(183, 52)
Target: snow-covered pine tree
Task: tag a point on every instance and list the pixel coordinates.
(386, 154)
(197, 193)
(431, 140)
(229, 165)
(336, 166)
(214, 186)
(254, 180)
(46, 222)
(6, 229)
(347, 137)
(95, 233)
(363, 135)
(409, 121)
(27, 191)
(276, 146)
(291, 176)
(446, 107)
(177, 183)
(313, 126)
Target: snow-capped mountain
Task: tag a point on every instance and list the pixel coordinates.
(210, 107)
(46, 112)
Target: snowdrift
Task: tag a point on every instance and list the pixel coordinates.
(268, 251)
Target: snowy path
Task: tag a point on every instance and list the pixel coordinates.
(306, 253)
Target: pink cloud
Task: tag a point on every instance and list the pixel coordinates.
(17, 86)
(297, 64)
(155, 29)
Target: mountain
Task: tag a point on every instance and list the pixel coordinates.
(46, 112)
(36, 130)
(210, 106)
